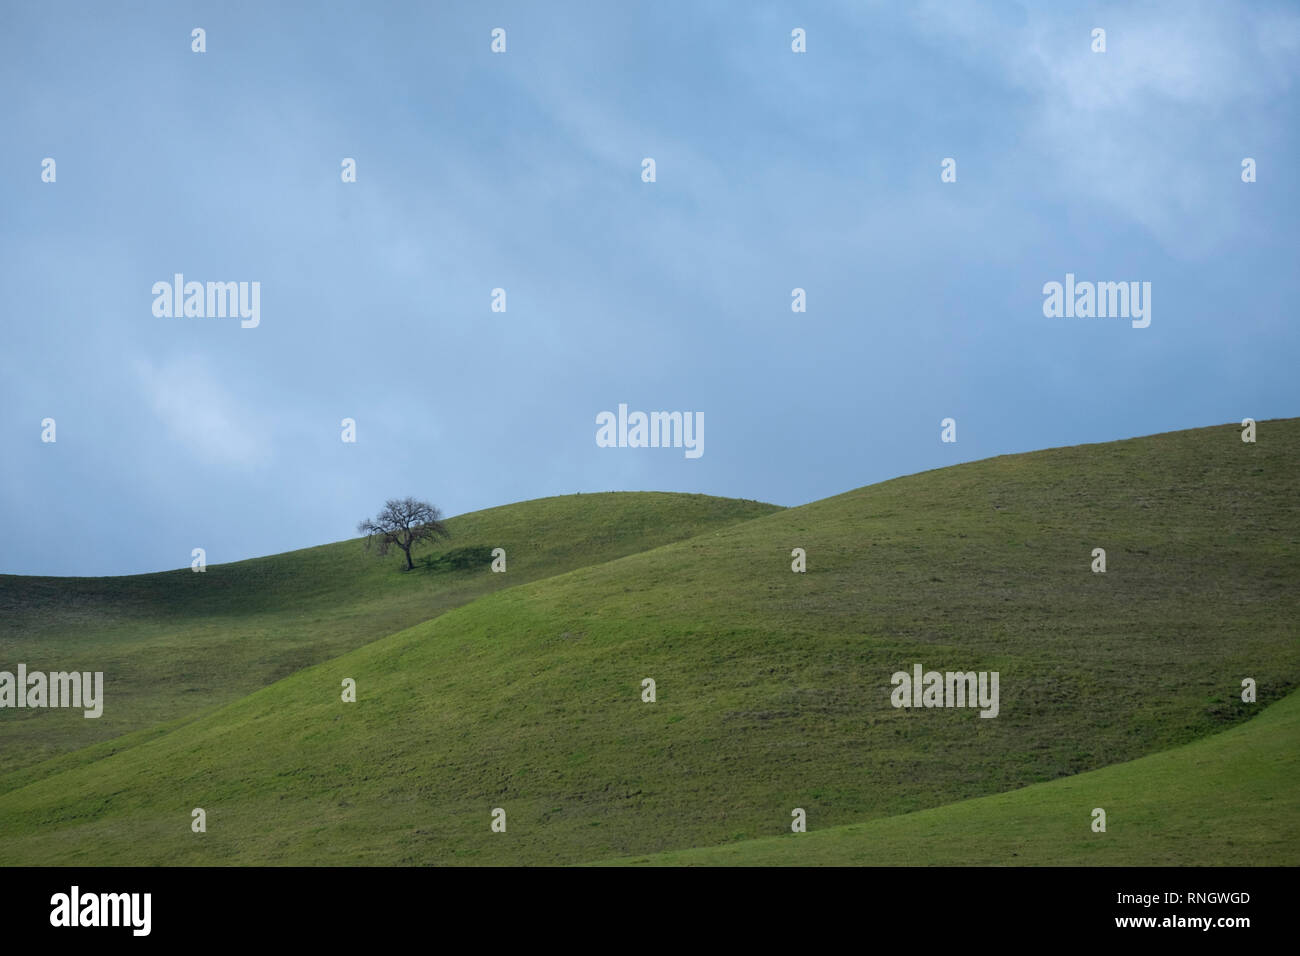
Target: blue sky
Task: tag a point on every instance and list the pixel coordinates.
(522, 170)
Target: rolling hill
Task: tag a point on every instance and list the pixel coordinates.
(1230, 799)
(174, 644)
(773, 688)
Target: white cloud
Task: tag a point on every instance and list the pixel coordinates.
(1154, 128)
(200, 413)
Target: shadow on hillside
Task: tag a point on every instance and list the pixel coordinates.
(471, 558)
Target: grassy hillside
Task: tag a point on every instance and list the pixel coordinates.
(174, 644)
(1226, 800)
(773, 687)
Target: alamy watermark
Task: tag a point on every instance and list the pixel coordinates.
(212, 300)
(1101, 300)
(951, 689)
(76, 908)
(652, 430)
(56, 689)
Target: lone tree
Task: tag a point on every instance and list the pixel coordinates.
(403, 522)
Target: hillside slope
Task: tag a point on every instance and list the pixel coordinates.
(1227, 800)
(174, 644)
(773, 687)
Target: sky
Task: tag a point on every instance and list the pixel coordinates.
(522, 170)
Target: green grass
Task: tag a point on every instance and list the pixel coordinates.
(773, 687)
(176, 644)
(1226, 800)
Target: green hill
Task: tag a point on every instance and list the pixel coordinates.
(175, 644)
(773, 687)
(1226, 800)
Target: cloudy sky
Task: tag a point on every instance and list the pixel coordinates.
(522, 170)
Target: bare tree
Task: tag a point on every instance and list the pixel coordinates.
(403, 522)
